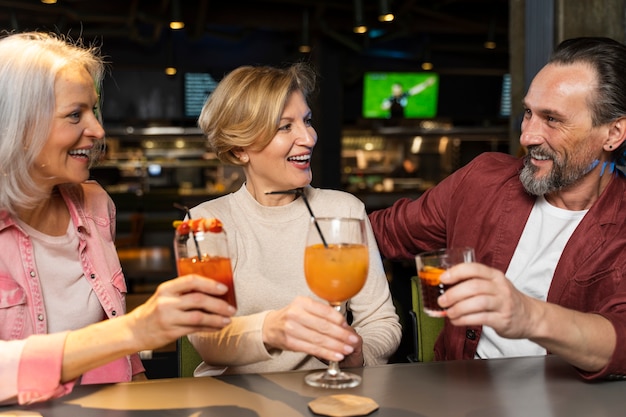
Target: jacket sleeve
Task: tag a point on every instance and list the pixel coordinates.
(410, 226)
(374, 314)
(30, 369)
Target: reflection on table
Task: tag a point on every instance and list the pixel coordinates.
(520, 387)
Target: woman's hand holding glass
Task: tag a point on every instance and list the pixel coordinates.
(336, 262)
(178, 307)
(309, 326)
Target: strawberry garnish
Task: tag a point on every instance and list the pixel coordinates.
(212, 225)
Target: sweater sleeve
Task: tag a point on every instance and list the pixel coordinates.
(30, 369)
(239, 343)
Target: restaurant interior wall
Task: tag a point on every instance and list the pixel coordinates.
(220, 36)
(156, 154)
(223, 35)
(139, 97)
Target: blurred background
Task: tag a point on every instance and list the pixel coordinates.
(166, 57)
(473, 58)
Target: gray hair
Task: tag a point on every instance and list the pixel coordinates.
(29, 65)
(608, 58)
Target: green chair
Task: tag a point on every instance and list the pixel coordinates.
(188, 357)
(426, 329)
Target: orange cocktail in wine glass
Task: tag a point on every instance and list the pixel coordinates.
(336, 262)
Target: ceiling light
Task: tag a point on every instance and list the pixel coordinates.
(170, 63)
(305, 44)
(490, 43)
(359, 22)
(177, 21)
(49, 1)
(384, 13)
(427, 64)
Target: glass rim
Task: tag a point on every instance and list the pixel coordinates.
(437, 252)
(337, 218)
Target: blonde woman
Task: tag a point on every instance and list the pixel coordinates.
(258, 118)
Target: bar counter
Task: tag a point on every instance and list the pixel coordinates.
(518, 387)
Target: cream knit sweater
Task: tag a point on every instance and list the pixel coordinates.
(267, 251)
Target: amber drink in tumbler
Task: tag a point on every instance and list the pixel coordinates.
(201, 247)
(430, 266)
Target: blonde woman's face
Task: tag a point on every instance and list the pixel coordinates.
(285, 163)
(65, 156)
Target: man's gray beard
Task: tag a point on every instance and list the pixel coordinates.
(556, 179)
(534, 186)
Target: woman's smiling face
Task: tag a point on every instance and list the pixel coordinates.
(285, 163)
(66, 155)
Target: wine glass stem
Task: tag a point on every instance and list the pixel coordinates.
(333, 366)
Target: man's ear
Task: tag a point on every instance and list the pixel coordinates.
(617, 134)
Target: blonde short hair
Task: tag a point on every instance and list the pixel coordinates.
(29, 65)
(246, 107)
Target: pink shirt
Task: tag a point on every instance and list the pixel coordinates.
(31, 359)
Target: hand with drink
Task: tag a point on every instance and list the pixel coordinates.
(336, 262)
(482, 295)
(178, 307)
(430, 266)
(476, 293)
(316, 328)
(201, 248)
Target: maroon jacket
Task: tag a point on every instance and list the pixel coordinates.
(485, 206)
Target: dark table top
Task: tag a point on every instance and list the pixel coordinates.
(520, 387)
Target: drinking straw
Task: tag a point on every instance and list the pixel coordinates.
(193, 234)
(300, 193)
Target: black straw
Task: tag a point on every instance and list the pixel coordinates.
(193, 235)
(300, 193)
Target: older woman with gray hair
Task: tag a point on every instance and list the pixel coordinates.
(62, 290)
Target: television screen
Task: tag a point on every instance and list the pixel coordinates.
(132, 96)
(505, 96)
(389, 95)
(198, 87)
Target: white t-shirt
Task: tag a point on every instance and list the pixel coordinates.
(531, 270)
(69, 299)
